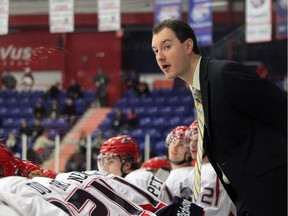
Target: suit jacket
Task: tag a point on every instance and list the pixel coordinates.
(245, 135)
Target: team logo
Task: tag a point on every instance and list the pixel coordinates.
(126, 139)
(169, 12)
(257, 3)
(200, 12)
(184, 209)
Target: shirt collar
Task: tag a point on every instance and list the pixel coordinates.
(196, 79)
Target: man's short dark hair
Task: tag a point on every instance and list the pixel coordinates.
(182, 30)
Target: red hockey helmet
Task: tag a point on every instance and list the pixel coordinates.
(156, 163)
(124, 146)
(177, 136)
(7, 166)
(193, 129)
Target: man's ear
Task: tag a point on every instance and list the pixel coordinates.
(189, 44)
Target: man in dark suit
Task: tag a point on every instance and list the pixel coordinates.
(245, 132)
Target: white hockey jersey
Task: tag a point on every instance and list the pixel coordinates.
(146, 180)
(213, 197)
(177, 178)
(118, 184)
(5, 210)
(16, 200)
(94, 197)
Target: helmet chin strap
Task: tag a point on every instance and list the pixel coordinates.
(180, 162)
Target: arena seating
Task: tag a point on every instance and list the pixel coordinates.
(15, 105)
(158, 114)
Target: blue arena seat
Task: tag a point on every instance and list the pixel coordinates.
(158, 92)
(175, 121)
(47, 123)
(3, 133)
(15, 112)
(160, 101)
(153, 111)
(9, 123)
(80, 106)
(159, 122)
(106, 124)
(145, 122)
(12, 102)
(167, 111)
(160, 148)
(3, 112)
(122, 103)
(173, 101)
(141, 112)
(138, 135)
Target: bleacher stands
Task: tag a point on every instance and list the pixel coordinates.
(158, 114)
(16, 105)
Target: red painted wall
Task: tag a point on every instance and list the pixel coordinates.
(34, 49)
(87, 52)
(77, 55)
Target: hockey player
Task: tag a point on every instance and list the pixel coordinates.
(120, 156)
(94, 198)
(180, 160)
(43, 196)
(213, 197)
(86, 193)
(152, 175)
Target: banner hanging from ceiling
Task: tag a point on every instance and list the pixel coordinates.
(4, 17)
(281, 19)
(258, 21)
(61, 16)
(167, 9)
(109, 15)
(200, 19)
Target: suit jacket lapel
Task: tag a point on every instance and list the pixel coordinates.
(204, 66)
(204, 70)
